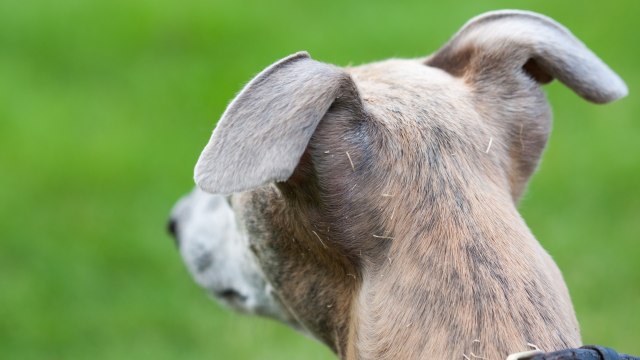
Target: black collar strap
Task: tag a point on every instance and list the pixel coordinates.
(588, 352)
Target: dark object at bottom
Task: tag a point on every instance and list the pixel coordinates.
(588, 352)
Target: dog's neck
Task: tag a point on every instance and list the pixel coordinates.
(447, 266)
(459, 271)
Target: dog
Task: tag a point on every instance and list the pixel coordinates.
(375, 207)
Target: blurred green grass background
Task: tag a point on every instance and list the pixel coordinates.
(105, 106)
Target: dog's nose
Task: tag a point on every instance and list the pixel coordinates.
(172, 228)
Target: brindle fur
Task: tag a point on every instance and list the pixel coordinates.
(395, 234)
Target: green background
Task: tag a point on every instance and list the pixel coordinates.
(105, 106)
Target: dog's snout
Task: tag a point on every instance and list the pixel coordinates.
(172, 229)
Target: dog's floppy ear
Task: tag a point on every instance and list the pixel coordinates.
(504, 46)
(266, 128)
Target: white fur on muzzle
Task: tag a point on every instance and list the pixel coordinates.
(216, 253)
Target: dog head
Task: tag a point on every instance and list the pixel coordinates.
(326, 189)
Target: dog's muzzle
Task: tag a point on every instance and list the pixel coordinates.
(217, 255)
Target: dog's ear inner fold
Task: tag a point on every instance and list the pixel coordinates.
(507, 48)
(265, 130)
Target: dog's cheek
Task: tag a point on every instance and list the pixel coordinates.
(303, 279)
(272, 247)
